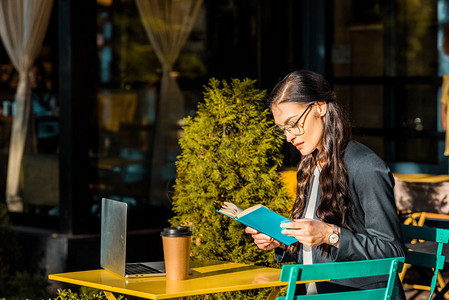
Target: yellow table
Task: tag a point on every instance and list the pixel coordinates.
(210, 277)
(418, 177)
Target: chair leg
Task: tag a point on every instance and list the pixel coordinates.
(419, 287)
(404, 270)
(409, 218)
(422, 219)
(109, 295)
(274, 292)
(442, 283)
(439, 295)
(441, 280)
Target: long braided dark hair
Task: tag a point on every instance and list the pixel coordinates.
(335, 206)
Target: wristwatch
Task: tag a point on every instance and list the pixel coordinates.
(333, 238)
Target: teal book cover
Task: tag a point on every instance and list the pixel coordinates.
(260, 218)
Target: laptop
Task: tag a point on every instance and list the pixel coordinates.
(113, 244)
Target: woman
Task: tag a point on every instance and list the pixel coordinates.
(345, 207)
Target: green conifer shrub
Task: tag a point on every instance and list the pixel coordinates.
(228, 153)
(84, 293)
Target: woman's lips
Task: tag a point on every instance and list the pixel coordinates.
(298, 145)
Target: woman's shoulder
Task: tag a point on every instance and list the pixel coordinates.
(358, 155)
(355, 148)
(365, 167)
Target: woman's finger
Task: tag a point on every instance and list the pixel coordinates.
(251, 230)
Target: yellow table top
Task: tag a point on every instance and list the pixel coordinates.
(431, 178)
(211, 277)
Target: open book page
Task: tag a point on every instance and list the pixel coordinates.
(233, 210)
(248, 210)
(260, 218)
(230, 209)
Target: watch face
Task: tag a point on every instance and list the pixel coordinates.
(333, 238)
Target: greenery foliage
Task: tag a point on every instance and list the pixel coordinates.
(84, 294)
(228, 154)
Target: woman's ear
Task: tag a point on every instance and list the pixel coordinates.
(322, 108)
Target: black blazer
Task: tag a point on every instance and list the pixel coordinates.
(371, 187)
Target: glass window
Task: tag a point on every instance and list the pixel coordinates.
(385, 66)
(129, 76)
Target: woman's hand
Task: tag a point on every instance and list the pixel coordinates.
(263, 241)
(309, 232)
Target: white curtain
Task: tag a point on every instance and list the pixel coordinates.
(168, 24)
(23, 24)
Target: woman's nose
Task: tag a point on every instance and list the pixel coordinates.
(289, 137)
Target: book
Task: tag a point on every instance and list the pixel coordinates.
(260, 218)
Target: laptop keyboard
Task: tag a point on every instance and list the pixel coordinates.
(139, 269)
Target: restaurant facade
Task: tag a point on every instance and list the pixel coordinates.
(118, 139)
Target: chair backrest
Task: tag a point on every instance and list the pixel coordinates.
(344, 270)
(417, 257)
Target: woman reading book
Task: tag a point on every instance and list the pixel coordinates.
(345, 207)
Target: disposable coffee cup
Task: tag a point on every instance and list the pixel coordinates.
(176, 243)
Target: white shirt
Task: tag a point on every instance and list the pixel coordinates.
(309, 213)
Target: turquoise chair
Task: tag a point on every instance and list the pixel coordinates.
(344, 270)
(424, 254)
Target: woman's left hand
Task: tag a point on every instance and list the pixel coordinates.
(263, 241)
(309, 232)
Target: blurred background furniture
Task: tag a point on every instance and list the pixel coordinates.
(422, 192)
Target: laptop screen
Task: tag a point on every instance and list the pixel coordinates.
(113, 236)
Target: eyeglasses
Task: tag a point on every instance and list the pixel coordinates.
(292, 128)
